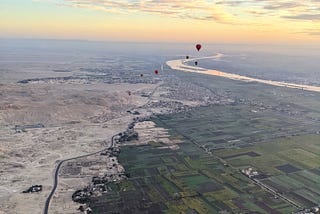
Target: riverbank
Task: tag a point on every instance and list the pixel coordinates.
(181, 65)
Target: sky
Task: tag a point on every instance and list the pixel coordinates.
(209, 21)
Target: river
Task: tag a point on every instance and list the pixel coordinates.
(180, 64)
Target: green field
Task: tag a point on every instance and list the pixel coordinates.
(301, 152)
(271, 129)
(177, 181)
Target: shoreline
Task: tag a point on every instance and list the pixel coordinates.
(179, 64)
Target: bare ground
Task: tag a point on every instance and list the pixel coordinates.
(76, 119)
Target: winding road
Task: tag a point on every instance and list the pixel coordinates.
(56, 174)
(181, 65)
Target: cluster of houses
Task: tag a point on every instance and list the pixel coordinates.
(250, 172)
(34, 188)
(312, 210)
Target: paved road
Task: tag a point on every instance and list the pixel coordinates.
(256, 181)
(274, 192)
(56, 173)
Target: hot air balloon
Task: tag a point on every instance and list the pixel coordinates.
(129, 93)
(187, 57)
(196, 63)
(141, 75)
(156, 71)
(198, 46)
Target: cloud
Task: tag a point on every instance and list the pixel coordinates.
(231, 2)
(235, 12)
(308, 17)
(311, 32)
(192, 9)
(282, 5)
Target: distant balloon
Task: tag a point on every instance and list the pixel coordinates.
(141, 75)
(156, 71)
(198, 46)
(187, 57)
(196, 63)
(129, 93)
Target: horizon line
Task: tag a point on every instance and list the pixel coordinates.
(150, 42)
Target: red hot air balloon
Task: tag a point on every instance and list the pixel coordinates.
(198, 46)
(156, 71)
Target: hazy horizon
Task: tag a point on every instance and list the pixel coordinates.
(296, 64)
(221, 21)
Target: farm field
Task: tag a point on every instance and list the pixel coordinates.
(290, 165)
(272, 130)
(186, 180)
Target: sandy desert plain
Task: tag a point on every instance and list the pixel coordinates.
(59, 109)
(50, 119)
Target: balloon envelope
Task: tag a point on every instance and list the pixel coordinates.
(196, 63)
(187, 57)
(156, 71)
(198, 46)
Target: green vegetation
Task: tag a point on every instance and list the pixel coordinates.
(271, 129)
(300, 152)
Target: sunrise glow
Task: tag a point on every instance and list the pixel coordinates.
(163, 21)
